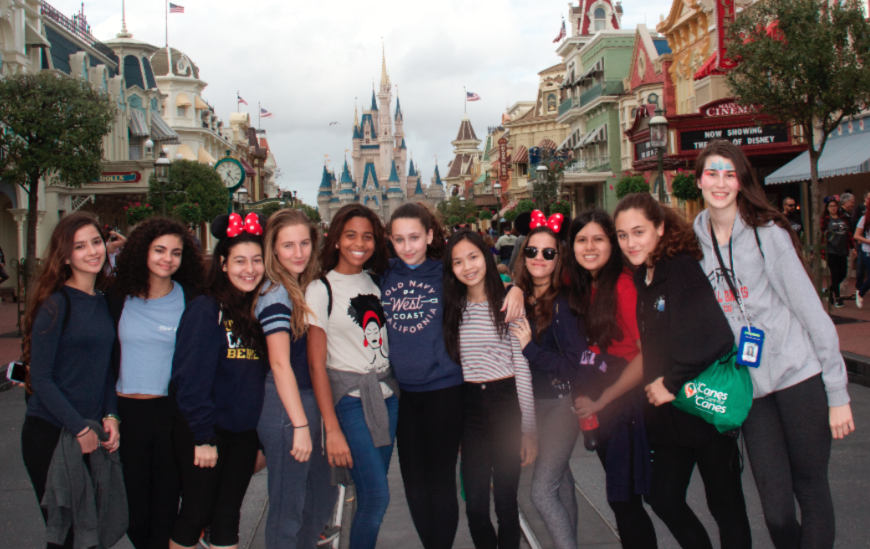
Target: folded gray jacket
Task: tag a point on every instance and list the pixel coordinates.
(374, 409)
(90, 500)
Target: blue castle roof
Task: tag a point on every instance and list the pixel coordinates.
(325, 183)
(437, 176)
(370, 176)
(419, 188)
(402, 146)
(398, 109)
(394, 176)
(374, 102)
(362, 124)
(357, 132)
(345, 175)
(412, 171)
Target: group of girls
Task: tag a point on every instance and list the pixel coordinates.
(305, 354)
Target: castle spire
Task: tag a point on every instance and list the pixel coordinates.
(124, 33)
(385, 79)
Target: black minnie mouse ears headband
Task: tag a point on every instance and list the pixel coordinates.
(232, 225)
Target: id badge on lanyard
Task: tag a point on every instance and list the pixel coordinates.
(751, 338)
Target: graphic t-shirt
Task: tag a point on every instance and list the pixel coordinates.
(838, 237)
(356, 333)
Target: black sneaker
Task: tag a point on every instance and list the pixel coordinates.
(839, 304)
(328, 535)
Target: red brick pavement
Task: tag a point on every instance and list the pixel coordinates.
(10, 343)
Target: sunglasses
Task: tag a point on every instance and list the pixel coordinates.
(532, 252)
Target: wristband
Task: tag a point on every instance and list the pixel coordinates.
(301, 426)
(112, 416)
(83, 434)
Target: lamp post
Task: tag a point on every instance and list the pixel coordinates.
(496, 189)
(161, 172)
(242, 197)
(658, 139)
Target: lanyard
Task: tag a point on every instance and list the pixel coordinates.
(725, 273)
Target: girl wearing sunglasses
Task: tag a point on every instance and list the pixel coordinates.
(552, 342)
(498, 434)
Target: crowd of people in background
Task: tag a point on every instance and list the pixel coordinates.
(162, 383)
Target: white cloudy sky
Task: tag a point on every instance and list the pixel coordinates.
(306, 61)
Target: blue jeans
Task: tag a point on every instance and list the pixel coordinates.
(369, 471)
(301, 498)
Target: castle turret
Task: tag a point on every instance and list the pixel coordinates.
(412, 179)
(385, 125)
(324, 194)
(347, 193)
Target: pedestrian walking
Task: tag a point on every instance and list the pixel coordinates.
(859, 212)
(498, 434)
(682, 332)
(789, 208)
(301, 498)
(68, 337)
(602, 292)
(505, 245)
(838, 243)
(861, 237)
(217, 387)
(157, 273)
(348, 354)
(430, 410)
(800, 385)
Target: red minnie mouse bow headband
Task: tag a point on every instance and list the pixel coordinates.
(554, 222)
(251, 225)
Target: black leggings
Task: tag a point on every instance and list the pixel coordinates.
(212, 496)
(839, 265)
(491, 442)
(788, 439)
(150, 470)
(428, 437)
(38, 441)
(636, 530)
(719, 463)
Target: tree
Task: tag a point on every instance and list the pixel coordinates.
(270, 208)
(312, 213)
(191, 182)
(525, 206)
(54, 128)
(455, 207)
(806, 62)
(683, 186)
(548, 191)
(631, 184)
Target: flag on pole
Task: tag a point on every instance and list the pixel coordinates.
(562, 32)
(471, 96)
(266, 114)
(241, 101)
(173, 8)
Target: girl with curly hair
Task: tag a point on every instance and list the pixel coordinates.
(217, 387)
(682, 332)
(301, 498)
(348, 357)
(157, 272)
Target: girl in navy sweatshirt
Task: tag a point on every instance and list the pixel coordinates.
(430, 410)
(68, 337)
(218, 383)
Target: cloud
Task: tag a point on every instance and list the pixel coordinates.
(307, 61)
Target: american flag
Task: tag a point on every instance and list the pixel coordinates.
(241, 101)
(265, 114)
(562, 32)
(173, 8)
(471, 96)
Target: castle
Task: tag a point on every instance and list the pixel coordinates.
(378, 177)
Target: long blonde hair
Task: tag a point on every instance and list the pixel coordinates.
(279, 275)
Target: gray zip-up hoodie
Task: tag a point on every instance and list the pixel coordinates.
(799, 337)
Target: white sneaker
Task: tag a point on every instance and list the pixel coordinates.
(859, 301)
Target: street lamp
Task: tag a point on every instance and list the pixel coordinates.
(161, 172)
(242, 197)
(542, 173)
(496, 189)
(658, 139)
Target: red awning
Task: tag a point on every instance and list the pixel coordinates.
(521, 155)
(547, 143)
(249, 170)
(709, 67)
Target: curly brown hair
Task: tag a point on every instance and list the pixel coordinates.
(132, 277)
(679, 236)
(377, 263)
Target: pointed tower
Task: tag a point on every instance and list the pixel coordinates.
(385, 125)
(324, 194)
(395, 195)
(412, 180)
(346, 194)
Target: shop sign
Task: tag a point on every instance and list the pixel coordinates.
(502, 160)
(643, 150)
(119, 177)
(730, 109)
(742, 136)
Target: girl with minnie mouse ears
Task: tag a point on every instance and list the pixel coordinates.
(217, 385)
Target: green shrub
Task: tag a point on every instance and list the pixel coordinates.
(511, 215)
(561, 206)
(137, 212)
(631, 184)
(188, 212)
(525, 205)
(683, 186)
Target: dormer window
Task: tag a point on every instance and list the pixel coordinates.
(600, 19)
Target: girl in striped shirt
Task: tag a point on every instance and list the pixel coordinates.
(498, 435)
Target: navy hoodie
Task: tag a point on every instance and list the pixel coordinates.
(216, 382)
(413, 301)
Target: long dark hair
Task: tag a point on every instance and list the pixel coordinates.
(55, 272)
(236, 305)
(826, 218)
(379, 260)
(752, 203)
(599, 314)
(132, 277)
(418, 211)
(679, 236)
(542, 311)
(456, 292)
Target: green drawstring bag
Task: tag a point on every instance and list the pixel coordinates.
(721, 395)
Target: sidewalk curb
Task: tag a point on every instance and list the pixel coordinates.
(858, 367)
(5, 385)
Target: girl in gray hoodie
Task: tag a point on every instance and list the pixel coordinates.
(800, 395)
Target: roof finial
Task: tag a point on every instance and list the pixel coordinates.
(385, 80)
(123, 33)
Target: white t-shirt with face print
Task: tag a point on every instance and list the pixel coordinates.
(356, 332)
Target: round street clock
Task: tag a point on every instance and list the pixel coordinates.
(231, 172)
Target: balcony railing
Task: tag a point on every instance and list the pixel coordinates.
(78, 26)
(566, 105)
(589, 163)
(606, 87)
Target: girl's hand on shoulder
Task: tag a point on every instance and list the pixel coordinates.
(523, 332)
(529, 449)
(301, 444)
(841, 420)
(337, 450)
(205, 456)
(514, 305)
(657, 393)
